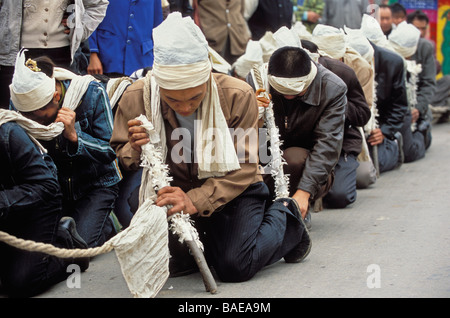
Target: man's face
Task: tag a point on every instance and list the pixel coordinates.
(422, 25)
(47, 114)
(184, 101)
(398, 18)
(385, 19)
(291, 97)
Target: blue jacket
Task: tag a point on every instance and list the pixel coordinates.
(124, 40)
(28, 180)
(92, 162)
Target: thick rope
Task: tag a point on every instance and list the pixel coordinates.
(50, 249)
(48, 132)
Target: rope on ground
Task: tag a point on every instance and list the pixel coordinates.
(50, 249)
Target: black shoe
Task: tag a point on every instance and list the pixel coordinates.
(301, 251)
(67, 231)
(181, 262)
(425, 128)
(401, 155)
(307, 220)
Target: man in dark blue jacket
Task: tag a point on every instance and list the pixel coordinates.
(31, 208)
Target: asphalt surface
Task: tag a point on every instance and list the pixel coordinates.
(393, 242)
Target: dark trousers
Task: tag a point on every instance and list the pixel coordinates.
(343, 191)
(413, 142)
(91, 214)
(127, 201)
(244, 236)
(6, 75)
(295, 158)
(23, 273)
(388, 155)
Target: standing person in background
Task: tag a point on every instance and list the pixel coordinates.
(309, 12)
(123, 42)
(165, 8)
(398, 13)
(270, 15)
(44, 28)
(338, 13)
(441, 97)
(385, 19)
(182, 6)
(224, 26)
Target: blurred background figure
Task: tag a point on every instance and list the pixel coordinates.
(45, 29)
(123, 42)
(309, 12)
(270, 15)
(224, 26)
(338, 13)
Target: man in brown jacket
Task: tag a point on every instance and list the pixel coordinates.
(225, 196)
(224, 26)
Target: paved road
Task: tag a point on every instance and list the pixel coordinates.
(394, 241)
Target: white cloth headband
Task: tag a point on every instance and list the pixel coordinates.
(182, 76)
(30, 90)
(292, 85)
(37, 98)
(403, 50)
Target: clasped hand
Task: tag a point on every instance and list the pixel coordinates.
(170, 196)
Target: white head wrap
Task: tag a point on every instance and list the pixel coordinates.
(404, 39)
(219, 64)
(330, 40)
(253, 55)
(182, 61)
(371, 29)
(357, 40)
(293, 85)
(181, 54)
(286, 37)
(301, 31)
(30, 90)
(268, 45)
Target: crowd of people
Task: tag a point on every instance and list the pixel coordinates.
(266, 111)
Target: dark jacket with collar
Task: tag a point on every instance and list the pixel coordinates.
(270, 15)
(314, 121)
(28, 181)
(391, 102)
(357, 112)
(91, 162)
(424, 56)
